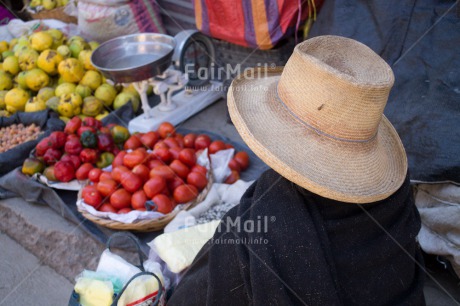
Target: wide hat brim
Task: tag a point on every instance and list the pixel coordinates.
(353, 172)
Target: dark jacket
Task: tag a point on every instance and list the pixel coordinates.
(308, 250)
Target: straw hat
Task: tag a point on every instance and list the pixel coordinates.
(319, 121)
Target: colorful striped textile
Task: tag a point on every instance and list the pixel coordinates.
(252, 23)
(147, 14)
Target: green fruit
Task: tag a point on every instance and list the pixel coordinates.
(52, 103)
(92, 106)
(49, 174)
(16, 100)
(2, 99)
(92, 79)
(126, 97)
(64, 51)
(32, 165)
(28, 59)
(5, 81)
(49, 4)
(37, 79)
(93, 45)
(11, 65)
(21, 80)
(76, 46)
(83, 91)
(65, 88)
(5, 54)
(106, 93)
(45, 93)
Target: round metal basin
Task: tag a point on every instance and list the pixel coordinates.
(134, 57)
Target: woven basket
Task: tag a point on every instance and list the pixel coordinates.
(57, 13)
(145, 225)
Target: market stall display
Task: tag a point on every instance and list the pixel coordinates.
(47, 69)
(20, 133)
(150, 176)
(161, 173)
(72, 153)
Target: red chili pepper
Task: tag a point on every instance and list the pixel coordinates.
(58, 138)
(64, 171)
(74, 159)
(88, 156)
(104, 142)
(73, 125)
(73, 146)
(43, 146)
(83, 129)
(104, 130)
(52, 156)
(92, 122)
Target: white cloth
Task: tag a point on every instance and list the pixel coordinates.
(439, 207)
(219, 193)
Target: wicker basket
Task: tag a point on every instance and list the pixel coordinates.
(145, 225)
(57, 13)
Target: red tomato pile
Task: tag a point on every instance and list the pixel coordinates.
(82, 146)
(160, 179)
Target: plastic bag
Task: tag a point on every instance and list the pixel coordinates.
(113, 264)
(17, 27)
(140, 288)
(219, 162)
(102, 276)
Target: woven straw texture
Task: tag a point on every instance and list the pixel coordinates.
(57, 13)
(319, 122)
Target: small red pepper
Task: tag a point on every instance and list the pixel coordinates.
(83, 129)
(73, 146)
(92, 122)
(52, 156)
(115, 150)
(64, 171)
(74, 159)
(73, 125)
(88, 156)
(104, 142)
(43, 146)
(104, 130)
(59, 138)
(70, 136)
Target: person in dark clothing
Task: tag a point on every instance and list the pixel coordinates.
(334, 222)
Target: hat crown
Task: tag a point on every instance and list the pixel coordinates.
(336, 86)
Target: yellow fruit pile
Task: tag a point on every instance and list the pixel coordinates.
(47, 70)
(47, 4)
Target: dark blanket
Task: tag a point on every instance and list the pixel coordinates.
(315, 251)
(420, 40)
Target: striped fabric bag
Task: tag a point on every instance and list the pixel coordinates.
(252, 23)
